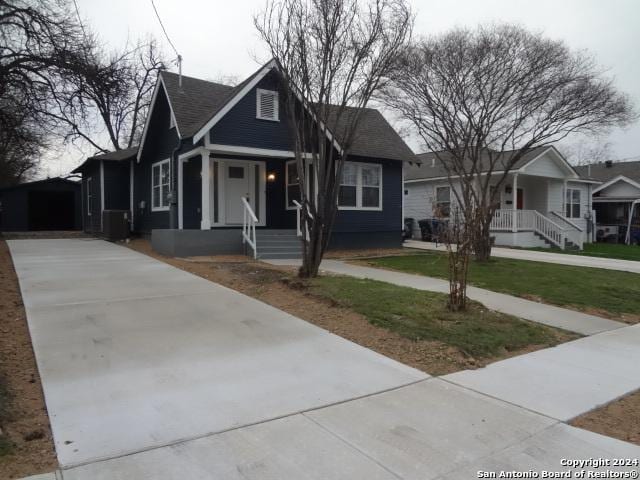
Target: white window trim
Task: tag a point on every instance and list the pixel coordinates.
(89, 195)
(154, 165)
(570, 203)
(359, 186)
(276, 106)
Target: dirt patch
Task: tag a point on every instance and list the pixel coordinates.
(279, 287)
(619, 419)
(28, 443)
(370, 253)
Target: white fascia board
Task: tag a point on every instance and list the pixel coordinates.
(619, 178)
(159, 84)
(232, 103)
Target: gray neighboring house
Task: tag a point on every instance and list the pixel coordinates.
(614, 197)
(544, 202)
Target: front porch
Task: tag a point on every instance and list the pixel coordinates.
(532, 211)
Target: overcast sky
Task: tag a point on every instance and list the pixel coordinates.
(216, 38)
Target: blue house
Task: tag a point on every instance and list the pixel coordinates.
(226, 153)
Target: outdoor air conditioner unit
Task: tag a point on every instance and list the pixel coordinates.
(115, 224)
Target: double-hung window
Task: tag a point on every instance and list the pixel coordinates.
(160, 181)
(360, 186)
(443, 201)
(573, 203)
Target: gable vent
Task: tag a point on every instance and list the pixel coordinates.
(267, 105)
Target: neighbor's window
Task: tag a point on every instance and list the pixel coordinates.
(573, 203)
(267, 105)
(443, 201)
(361, 186)
(293, 183)
(160, 176)
(89, 196)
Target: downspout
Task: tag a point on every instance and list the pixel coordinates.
(173, 197)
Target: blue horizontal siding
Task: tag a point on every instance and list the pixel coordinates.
(240, 127)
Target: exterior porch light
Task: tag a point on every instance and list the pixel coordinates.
(271, 177)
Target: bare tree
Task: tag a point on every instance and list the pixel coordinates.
(105, 96)
(333, 55)
(481, 99)
(588, 151)
(36, 39)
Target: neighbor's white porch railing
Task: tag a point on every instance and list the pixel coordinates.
(298, 206)
(249, 227)
(528, 220)
(572, 231)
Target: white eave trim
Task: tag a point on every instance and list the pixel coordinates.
(258, 152)
(619, 178)
(159, 83)
(232, 103)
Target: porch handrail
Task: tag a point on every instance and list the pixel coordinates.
(298, 206)
(249, 226)
(549, 229)
(573, 233)
(566, 220)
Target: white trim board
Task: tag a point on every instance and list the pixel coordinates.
(159, 83)
(232, 103)
(619, 178)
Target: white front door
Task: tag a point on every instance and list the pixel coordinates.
(238, 184)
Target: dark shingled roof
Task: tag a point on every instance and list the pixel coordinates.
(374, 136)
(430, 166)
(601, 172)
(116, 156)
(196, 102)
(199, 100)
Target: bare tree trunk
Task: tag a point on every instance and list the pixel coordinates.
(458, 239)
(482, 243)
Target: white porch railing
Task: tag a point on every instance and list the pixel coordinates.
(298, 206)
(249, 227)
(572, 231)
(529, 220)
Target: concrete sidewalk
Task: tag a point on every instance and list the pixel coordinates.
(546, 257)
(565, 381)
(534, 311)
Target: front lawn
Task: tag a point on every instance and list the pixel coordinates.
(589, 289)
(602, 250)
(420, 315)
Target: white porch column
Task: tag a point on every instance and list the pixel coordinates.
(205, 223)
(514, 203)
(564, 198)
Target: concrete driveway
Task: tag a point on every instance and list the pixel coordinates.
(152, 373)
(136, 354)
